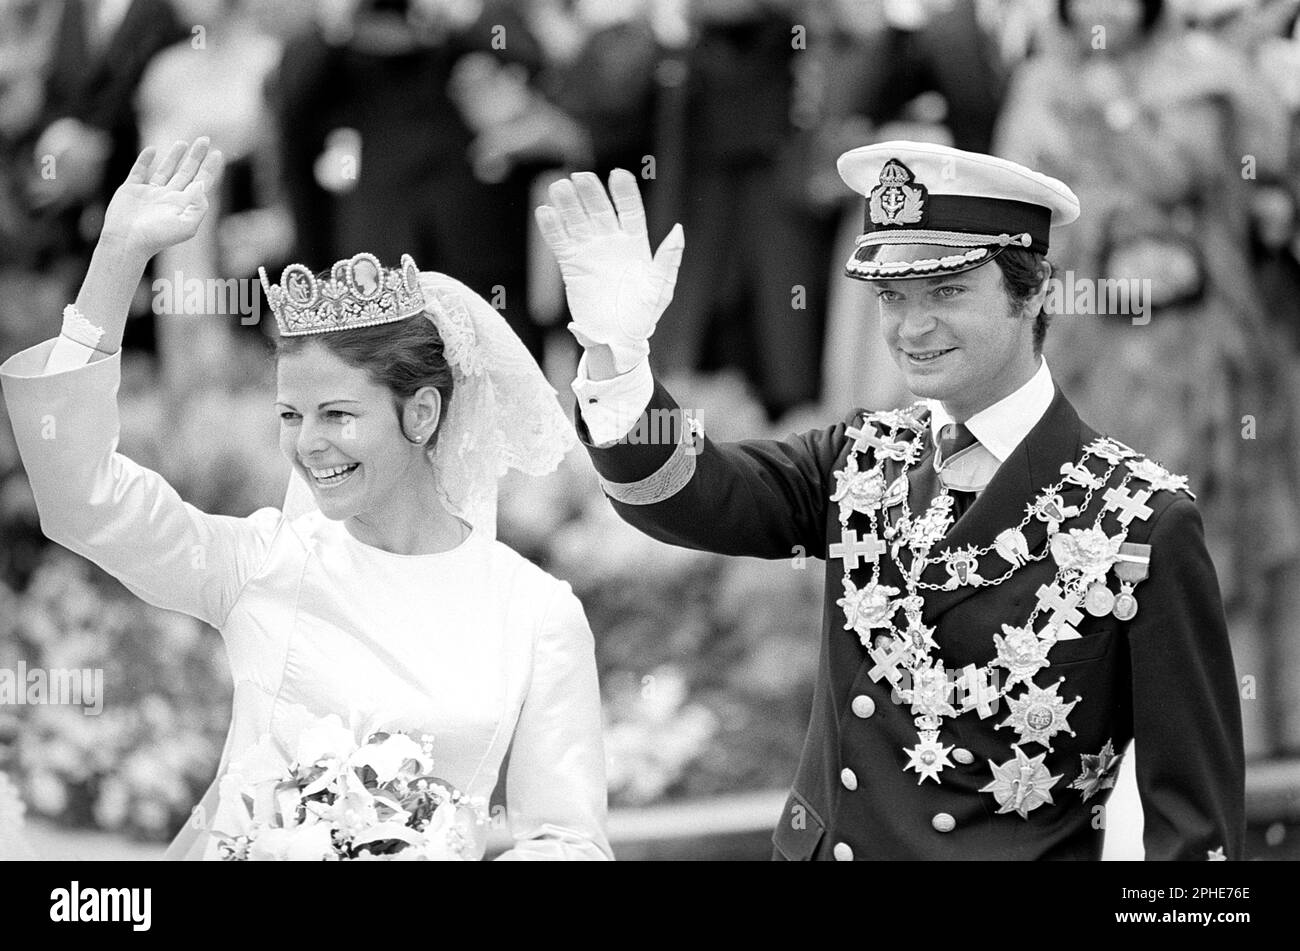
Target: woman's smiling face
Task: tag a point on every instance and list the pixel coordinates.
(340, 432)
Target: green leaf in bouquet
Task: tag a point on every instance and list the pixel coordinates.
(309, 774)
(288, 784)
(369, 778)
(387, 800)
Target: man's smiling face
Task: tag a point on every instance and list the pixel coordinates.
(958, 338)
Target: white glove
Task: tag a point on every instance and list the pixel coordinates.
(617, 292)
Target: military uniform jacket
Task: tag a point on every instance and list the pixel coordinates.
(1165, 677)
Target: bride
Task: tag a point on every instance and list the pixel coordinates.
(378, 593)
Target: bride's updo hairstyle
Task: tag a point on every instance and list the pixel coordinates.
(403, 356)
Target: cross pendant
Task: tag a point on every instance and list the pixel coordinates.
(851, 549)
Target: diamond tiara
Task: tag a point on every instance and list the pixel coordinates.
(360, 292)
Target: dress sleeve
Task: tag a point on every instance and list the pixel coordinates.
(118, 514)
(555, 781)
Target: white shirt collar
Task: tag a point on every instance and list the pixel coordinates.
(1002, 426)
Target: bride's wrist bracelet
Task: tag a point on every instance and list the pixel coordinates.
(80, 330)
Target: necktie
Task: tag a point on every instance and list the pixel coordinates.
(952, 439)
(962, 500)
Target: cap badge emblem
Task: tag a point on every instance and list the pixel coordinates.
(897, 200)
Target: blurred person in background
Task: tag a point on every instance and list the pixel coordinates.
(89, 131)
(1268, 32)
(918, 70)
(752, 296)
(216, 84)
(27, 33)
(603, 58)
(385, 113)
(1165, 134)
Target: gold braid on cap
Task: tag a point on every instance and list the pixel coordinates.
(360, 292)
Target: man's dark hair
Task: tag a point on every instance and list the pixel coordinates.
(1022, 276)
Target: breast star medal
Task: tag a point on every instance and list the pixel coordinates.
(1021, 784)
(1099, 772)
(1037, 715)
(928, 757)
(921, 638)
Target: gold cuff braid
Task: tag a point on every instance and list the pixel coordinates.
(667, 480)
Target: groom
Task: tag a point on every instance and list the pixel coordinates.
(1010, 597)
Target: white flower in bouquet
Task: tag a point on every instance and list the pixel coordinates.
(328, 739)
(391, 755)
(305, 843)
(442, 836)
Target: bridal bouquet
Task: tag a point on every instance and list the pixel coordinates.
(344, 800)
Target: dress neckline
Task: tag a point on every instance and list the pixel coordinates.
(468, 542)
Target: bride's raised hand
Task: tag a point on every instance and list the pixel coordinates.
(164, 198)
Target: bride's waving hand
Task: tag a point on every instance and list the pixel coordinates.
(161, 204)
(62, 399)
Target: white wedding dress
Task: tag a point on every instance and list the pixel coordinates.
(476, 646)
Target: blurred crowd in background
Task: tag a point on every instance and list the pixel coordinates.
(432, 127)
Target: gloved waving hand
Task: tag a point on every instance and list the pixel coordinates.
(616, 290)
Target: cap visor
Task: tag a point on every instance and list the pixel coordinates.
(863, 265)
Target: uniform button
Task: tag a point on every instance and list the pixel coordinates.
(864, 706)
(963, 756)
(849, 779)
(943, 822)
(842, 852)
